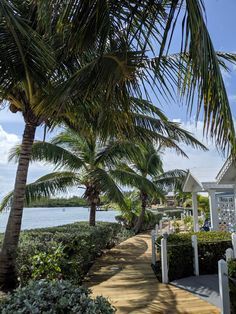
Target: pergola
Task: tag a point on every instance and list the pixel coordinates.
(193, 185)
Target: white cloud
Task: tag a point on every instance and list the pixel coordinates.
(7, 141)
(205, 164)
(8, 170)
(6, 116)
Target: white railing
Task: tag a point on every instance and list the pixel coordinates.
(222, 265)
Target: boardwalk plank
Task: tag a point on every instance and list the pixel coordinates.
(125, 276)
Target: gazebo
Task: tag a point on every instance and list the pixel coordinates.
(222, 208)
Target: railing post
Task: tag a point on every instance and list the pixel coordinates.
(164, 264)
(157, 229)
(234, 243)
(229, 254)
(195, 255)
(153, 235)
(224, 286)
(160, 226)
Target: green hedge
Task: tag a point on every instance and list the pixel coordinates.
(54, 297)
(65, 252)
(211, 248)
(232, 285)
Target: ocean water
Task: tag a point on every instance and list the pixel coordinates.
(55, 216)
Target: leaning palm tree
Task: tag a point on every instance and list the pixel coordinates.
(147, 175)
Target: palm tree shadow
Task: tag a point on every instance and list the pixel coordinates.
(126, 275)
(114, 261)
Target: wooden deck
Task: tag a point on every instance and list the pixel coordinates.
(125, 276)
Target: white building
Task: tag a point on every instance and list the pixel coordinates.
(222, 197)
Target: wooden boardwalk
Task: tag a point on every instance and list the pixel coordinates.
(125, 276)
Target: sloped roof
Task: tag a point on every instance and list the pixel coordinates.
(227, 174)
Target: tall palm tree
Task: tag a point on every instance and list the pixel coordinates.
(63, 56)
(147, 175)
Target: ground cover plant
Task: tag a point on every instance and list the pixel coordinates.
(211, 248)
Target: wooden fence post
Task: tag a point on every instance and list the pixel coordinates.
(224, 286)
(164, 264)
(229, 254)
(195, 255)
(153, 235)
(234, 243)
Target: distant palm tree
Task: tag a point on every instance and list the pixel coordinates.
(147, 175)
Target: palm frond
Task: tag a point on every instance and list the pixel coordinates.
(171, 180)
(48, 152)
(6, 202)
(107, 185)
(50, 184)
(44, 187)
(131, 179)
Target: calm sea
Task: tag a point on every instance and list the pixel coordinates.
(56, 216)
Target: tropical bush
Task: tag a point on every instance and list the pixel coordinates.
(232, 284)
(211, 248)
(129, 219)
(65, 252)
(54, 297)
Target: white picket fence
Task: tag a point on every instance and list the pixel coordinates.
(222, 264)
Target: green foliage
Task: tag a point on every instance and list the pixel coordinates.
(45, 265)
(176, 225)
(232, 284)
(65, 252)
(188, 223)
(55, 297)
(211, 248)
(74, 201)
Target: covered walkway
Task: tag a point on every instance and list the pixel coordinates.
(125, 276)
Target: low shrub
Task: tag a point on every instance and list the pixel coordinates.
(211, 248)
(65, 252)
(55, 297)
(232, 284)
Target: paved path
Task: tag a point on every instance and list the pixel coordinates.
(125, 276)
(205, 286)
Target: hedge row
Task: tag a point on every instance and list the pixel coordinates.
(65, 252)
(211, 248)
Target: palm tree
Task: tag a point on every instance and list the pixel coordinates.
(147, 175)
(79, 56)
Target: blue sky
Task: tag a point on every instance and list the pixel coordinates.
(221, 23)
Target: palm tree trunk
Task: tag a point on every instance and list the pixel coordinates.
(139, 223)
(8, 278)
(92, 216)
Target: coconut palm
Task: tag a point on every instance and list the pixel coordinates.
(147, 175)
